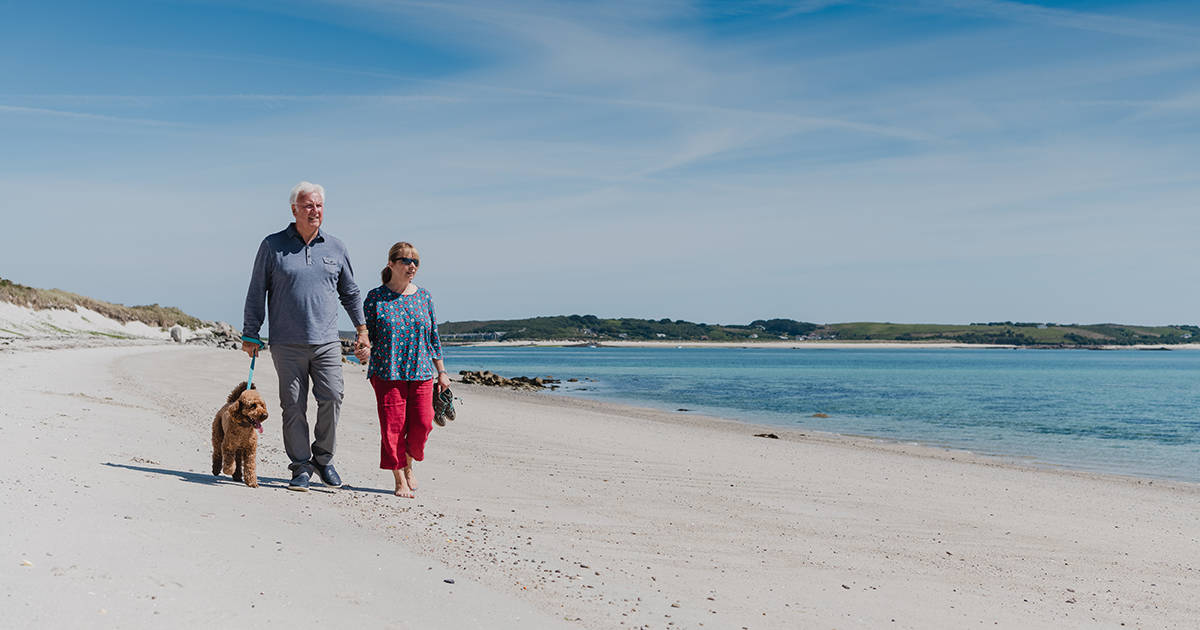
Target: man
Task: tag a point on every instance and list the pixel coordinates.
(303, 273)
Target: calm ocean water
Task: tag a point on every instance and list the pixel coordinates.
(1125, 411)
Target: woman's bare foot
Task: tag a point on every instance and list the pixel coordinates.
(402, 487)
(410, 477)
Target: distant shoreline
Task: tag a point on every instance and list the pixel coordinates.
(801, 345)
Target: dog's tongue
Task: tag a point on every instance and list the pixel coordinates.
(258, 425)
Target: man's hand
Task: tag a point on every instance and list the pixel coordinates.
(363, 341)
(250, 348)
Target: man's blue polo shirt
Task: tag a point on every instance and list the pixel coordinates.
(302, 285)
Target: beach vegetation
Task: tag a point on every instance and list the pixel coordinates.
(44, 299)
(99, 333)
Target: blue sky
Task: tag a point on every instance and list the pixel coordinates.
(926, 161)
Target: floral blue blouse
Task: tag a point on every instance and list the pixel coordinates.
(403, 333)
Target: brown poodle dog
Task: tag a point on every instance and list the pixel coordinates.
(233, 434)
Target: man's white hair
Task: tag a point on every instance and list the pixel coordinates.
(306, 188)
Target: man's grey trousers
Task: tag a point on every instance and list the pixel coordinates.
(296, 364)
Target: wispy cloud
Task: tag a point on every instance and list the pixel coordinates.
(143, 100)
(1078, 20)
(1186, 103)
(790, 9)
(86, 116)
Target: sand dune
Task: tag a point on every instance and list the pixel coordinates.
(21, 322)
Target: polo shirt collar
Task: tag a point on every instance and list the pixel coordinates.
(292, 231)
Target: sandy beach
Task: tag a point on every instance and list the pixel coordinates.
(548, 512)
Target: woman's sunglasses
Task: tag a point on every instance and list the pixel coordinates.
(407, 261)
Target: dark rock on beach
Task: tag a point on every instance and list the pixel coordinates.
(487, 377)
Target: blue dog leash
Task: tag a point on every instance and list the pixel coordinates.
(260, 343)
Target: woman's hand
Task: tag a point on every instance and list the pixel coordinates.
(362, 345)
(443, 381)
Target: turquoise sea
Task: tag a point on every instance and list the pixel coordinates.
(1123, 411)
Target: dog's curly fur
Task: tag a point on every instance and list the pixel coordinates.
(234, 436)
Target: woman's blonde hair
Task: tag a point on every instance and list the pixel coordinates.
(402, 249)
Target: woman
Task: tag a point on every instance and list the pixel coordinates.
(405, 359)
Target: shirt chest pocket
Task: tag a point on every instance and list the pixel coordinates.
(329, 271)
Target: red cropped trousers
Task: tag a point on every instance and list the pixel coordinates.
(405, 420)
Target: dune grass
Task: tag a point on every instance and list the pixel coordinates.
(43, 299)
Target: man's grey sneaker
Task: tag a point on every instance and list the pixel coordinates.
(299, 483)
(329, 476)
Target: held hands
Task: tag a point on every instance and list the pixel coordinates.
(443, 382)
(250, 348)
(362, 347)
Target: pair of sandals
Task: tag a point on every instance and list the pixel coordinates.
(443, 407)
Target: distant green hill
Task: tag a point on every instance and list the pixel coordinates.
(1019, 333)
(1034, 334)
(590, 327)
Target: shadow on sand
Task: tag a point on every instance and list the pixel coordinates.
(224, 480)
